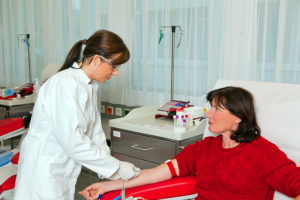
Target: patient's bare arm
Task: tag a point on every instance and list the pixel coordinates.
(147, 176)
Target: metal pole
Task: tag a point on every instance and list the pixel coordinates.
(29, 61)
(172, 62)
(173, 52)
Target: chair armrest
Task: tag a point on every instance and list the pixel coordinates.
(8, 184)
(178, 186)
(11, 124)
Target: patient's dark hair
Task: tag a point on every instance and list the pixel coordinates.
(104, 43)
(238, 102)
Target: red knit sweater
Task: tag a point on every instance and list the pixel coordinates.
(248, 171)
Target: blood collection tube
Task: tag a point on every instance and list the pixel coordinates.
(175, 120)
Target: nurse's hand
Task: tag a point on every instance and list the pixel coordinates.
(92, 192)
(126, 171)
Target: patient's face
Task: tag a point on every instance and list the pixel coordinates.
(221, 120)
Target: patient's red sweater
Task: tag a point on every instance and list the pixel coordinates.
(248, 171)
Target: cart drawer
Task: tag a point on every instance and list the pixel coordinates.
(142, 147)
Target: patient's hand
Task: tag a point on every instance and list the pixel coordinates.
(147, 176)
(92, 192)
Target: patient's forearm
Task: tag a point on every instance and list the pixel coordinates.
(147, 176)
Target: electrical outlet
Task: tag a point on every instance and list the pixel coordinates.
(102, 109)
(110, 110)
(126, 111)
(118, 111)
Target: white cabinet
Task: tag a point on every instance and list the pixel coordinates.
(143, 150)
(147, 142)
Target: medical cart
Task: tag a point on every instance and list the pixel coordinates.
(141, 139)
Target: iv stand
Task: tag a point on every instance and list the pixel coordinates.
(173, 28)
(27, 41)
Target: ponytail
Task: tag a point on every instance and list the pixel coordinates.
(73, 55)
(104, 43)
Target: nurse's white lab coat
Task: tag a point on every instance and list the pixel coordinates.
(65, 133)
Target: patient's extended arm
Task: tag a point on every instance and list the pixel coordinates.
(147, 176)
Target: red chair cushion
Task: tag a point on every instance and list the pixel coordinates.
(178, 186)
(15, 158)
(8, 184)
(10, 124)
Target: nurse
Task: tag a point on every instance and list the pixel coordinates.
(65, 130)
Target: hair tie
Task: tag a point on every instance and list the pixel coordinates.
(82, 49)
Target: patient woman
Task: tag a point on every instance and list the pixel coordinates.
(237, 164)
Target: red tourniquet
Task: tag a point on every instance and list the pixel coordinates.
(171, 168)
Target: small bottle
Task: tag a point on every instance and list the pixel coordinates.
(179, 112)
(181, 121)
(175, 120)
(187, 118)
(191, 120)
(184, 123)
(36, 86)
(178, 121)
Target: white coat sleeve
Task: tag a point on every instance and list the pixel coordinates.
(99, 138)
(68, 116)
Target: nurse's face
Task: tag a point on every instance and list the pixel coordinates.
(104, 70)
(221, 120)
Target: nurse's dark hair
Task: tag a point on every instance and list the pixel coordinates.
(238, 102)
(104, 43)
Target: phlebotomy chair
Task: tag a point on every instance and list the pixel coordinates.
(178, 188)
(277, 110)
(9, 128)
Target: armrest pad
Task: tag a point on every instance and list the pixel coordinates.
(15, 158)
(8, 184)
(10, 124)
(178, 186)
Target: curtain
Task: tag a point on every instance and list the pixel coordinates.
(244, 40)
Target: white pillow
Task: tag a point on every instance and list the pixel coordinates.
(280, 124)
